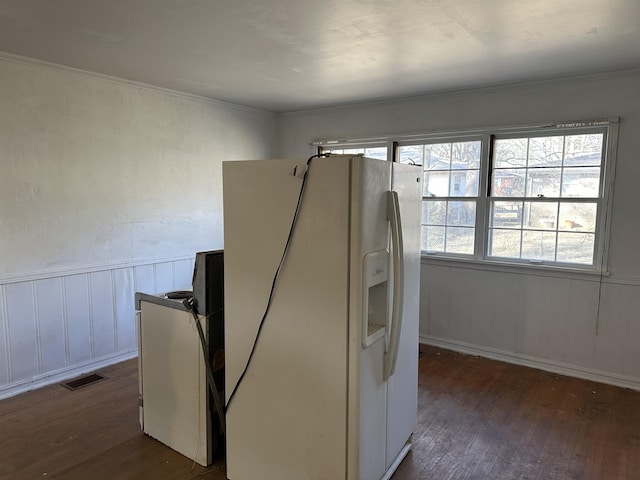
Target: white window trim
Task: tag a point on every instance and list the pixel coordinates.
(480, 259)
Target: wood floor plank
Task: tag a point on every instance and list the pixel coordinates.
(483, 419)
(92, 433)
(478, 419)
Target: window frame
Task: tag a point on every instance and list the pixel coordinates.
(487, 136)
(599, 200)
(482, 185)
(328, 146)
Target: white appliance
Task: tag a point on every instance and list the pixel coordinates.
(331, 389)
(174, 403)
(176, 406)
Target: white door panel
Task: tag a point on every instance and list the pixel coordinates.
(371, 180)
(403, 385)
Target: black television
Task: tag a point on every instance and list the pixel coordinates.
(208, 296)
(208, 282)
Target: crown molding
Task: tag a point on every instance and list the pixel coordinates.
(457, 92)
(11, 58)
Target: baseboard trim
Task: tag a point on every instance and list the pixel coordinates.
(64, 374)
(533, 362)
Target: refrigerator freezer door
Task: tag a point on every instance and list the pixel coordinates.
(403, 384)
(371, 180)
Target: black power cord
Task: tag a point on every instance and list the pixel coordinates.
(190, 305)
(275, 277)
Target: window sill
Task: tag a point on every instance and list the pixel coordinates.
(515, 268)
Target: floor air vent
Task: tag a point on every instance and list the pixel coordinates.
(83, 381)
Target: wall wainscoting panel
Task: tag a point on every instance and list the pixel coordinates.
(5, 366)
(575, 326)
(54, 328)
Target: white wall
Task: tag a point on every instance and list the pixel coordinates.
(553, 322)
(106, 187)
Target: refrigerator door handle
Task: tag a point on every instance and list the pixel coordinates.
(391, 353)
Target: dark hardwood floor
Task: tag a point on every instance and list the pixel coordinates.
(483, 419)
(478, 419)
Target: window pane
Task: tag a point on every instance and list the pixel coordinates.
(506, 214)
(434, 213)
(540, 215)
(508, 182)
(578, 217)
(538, 245)
(543, 181)
(433, 238)
(371, 152)
(575, 247)
(343, 151)
(545, 151)
(510, 153)
(465, 155)
(436, 183)
(376, 152)
(450, 170)
(461, 214)
(547, 173)
(504, 243)
(581, 182)
(411, 154)
(437, 156)
(464, 183)
(448, 226)
(460, 240)
(583, 150)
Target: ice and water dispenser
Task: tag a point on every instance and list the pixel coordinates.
(375, 296)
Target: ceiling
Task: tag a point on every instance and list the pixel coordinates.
(284, 55)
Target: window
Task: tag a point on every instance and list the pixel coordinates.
(450, 193)
(379, 152)
(545, 197)
(527, 196)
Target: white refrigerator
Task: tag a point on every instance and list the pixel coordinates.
(331, 388)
